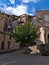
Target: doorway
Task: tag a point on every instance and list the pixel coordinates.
(9, 44)
(48, 38)
(2, 45)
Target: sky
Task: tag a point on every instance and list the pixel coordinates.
(19, 7)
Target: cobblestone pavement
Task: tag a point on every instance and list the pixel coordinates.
(15, 58)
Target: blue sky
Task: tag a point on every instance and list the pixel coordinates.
(19, 7)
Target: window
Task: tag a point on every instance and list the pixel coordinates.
(22, 19)
(19, 19)
(46, 17)
(0, 18)
(30, 19)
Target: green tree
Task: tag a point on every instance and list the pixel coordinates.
(26, 33)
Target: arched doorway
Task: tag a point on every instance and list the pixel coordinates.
(48, 38)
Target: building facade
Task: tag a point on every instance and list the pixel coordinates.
(6, 28)
(9, 22)
(43, 22)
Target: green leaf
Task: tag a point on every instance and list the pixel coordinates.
(26, 33)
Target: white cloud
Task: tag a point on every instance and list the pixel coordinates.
(27, 1)
(3, 7)
(32, 12)
(12, 1)
(19, 10)
(8, 8)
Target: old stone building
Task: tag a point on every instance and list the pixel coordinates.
(9, 22)
(43, 22)
(6, 41)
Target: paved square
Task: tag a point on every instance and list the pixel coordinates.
(23, 59)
